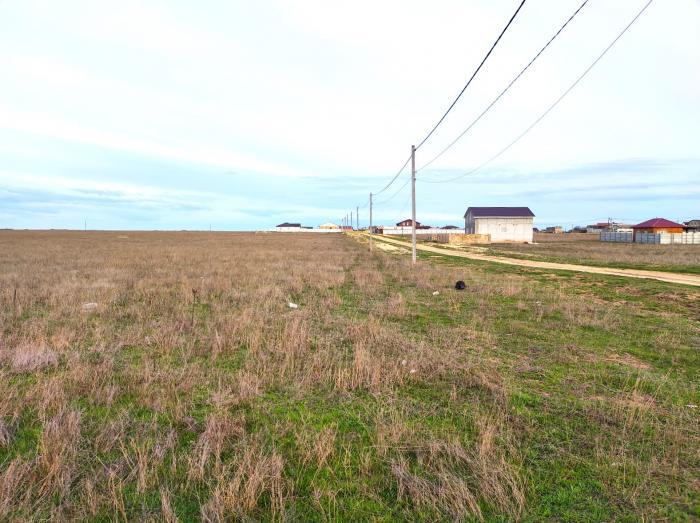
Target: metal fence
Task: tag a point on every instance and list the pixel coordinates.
(620, 237)
(662, 238)
(666, 238)
(406, 231)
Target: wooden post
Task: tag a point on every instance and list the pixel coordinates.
(370, 222)
(413, 203)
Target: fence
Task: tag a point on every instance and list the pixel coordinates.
(406, 231)
(300, 229)
(666, 238)
(620, 237)
(459, 239)
(662, 238)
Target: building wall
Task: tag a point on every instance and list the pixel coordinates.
(501, 229)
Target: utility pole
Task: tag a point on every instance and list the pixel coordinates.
(357, 216)
(370, 222)
(413, 202)
(350, 220)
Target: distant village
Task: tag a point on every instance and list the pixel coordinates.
(483, 225)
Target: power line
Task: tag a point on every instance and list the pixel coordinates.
(561, 29)
(512, 18)
(551, 107)
(395, 176)
(403, 167)
(387, 200)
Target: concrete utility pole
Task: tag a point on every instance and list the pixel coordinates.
(357, 216)
(413, 202)
(370, 222)
(350, 219)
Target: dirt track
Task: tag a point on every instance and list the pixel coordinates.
(670, 277)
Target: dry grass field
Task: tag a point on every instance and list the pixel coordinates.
(587, 249)
(163, 377)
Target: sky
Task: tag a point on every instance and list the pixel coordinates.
(239, 115)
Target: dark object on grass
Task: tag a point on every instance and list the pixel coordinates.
(460, 286)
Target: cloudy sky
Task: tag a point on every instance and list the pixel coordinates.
(239, 114)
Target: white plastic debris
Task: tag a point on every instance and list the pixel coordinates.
(436, 293)
(403, 362)
(89, 307)
(413, 371)
(293, 305)
(691, 406)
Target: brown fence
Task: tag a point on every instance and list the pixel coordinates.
(459, 239)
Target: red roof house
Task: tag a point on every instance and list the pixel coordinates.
(657, 225)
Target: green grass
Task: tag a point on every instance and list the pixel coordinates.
(557, 362)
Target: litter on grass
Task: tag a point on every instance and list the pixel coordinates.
(293, 305)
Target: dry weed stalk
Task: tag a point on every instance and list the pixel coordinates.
(58, 450)
(240, 486)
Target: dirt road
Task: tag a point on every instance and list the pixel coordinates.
(670, 277)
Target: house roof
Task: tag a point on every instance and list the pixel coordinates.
(409, 220)
(286, 224)
(451, 227)
(657, 223)
(500, 212)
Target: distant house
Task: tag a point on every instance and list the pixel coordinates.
(609, 226)
(503, 224)
(450, 227)
(329, 226)
(692, 226)
(408, 223)
(554, 230)
(288, 227)
(597, 227)
(656, 226)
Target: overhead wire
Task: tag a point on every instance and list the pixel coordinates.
(476, 71)
(387, 200)
(504, 91)
(394, 177)
(483, 61)
(551, 107)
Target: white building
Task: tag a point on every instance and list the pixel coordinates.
(503, 224)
